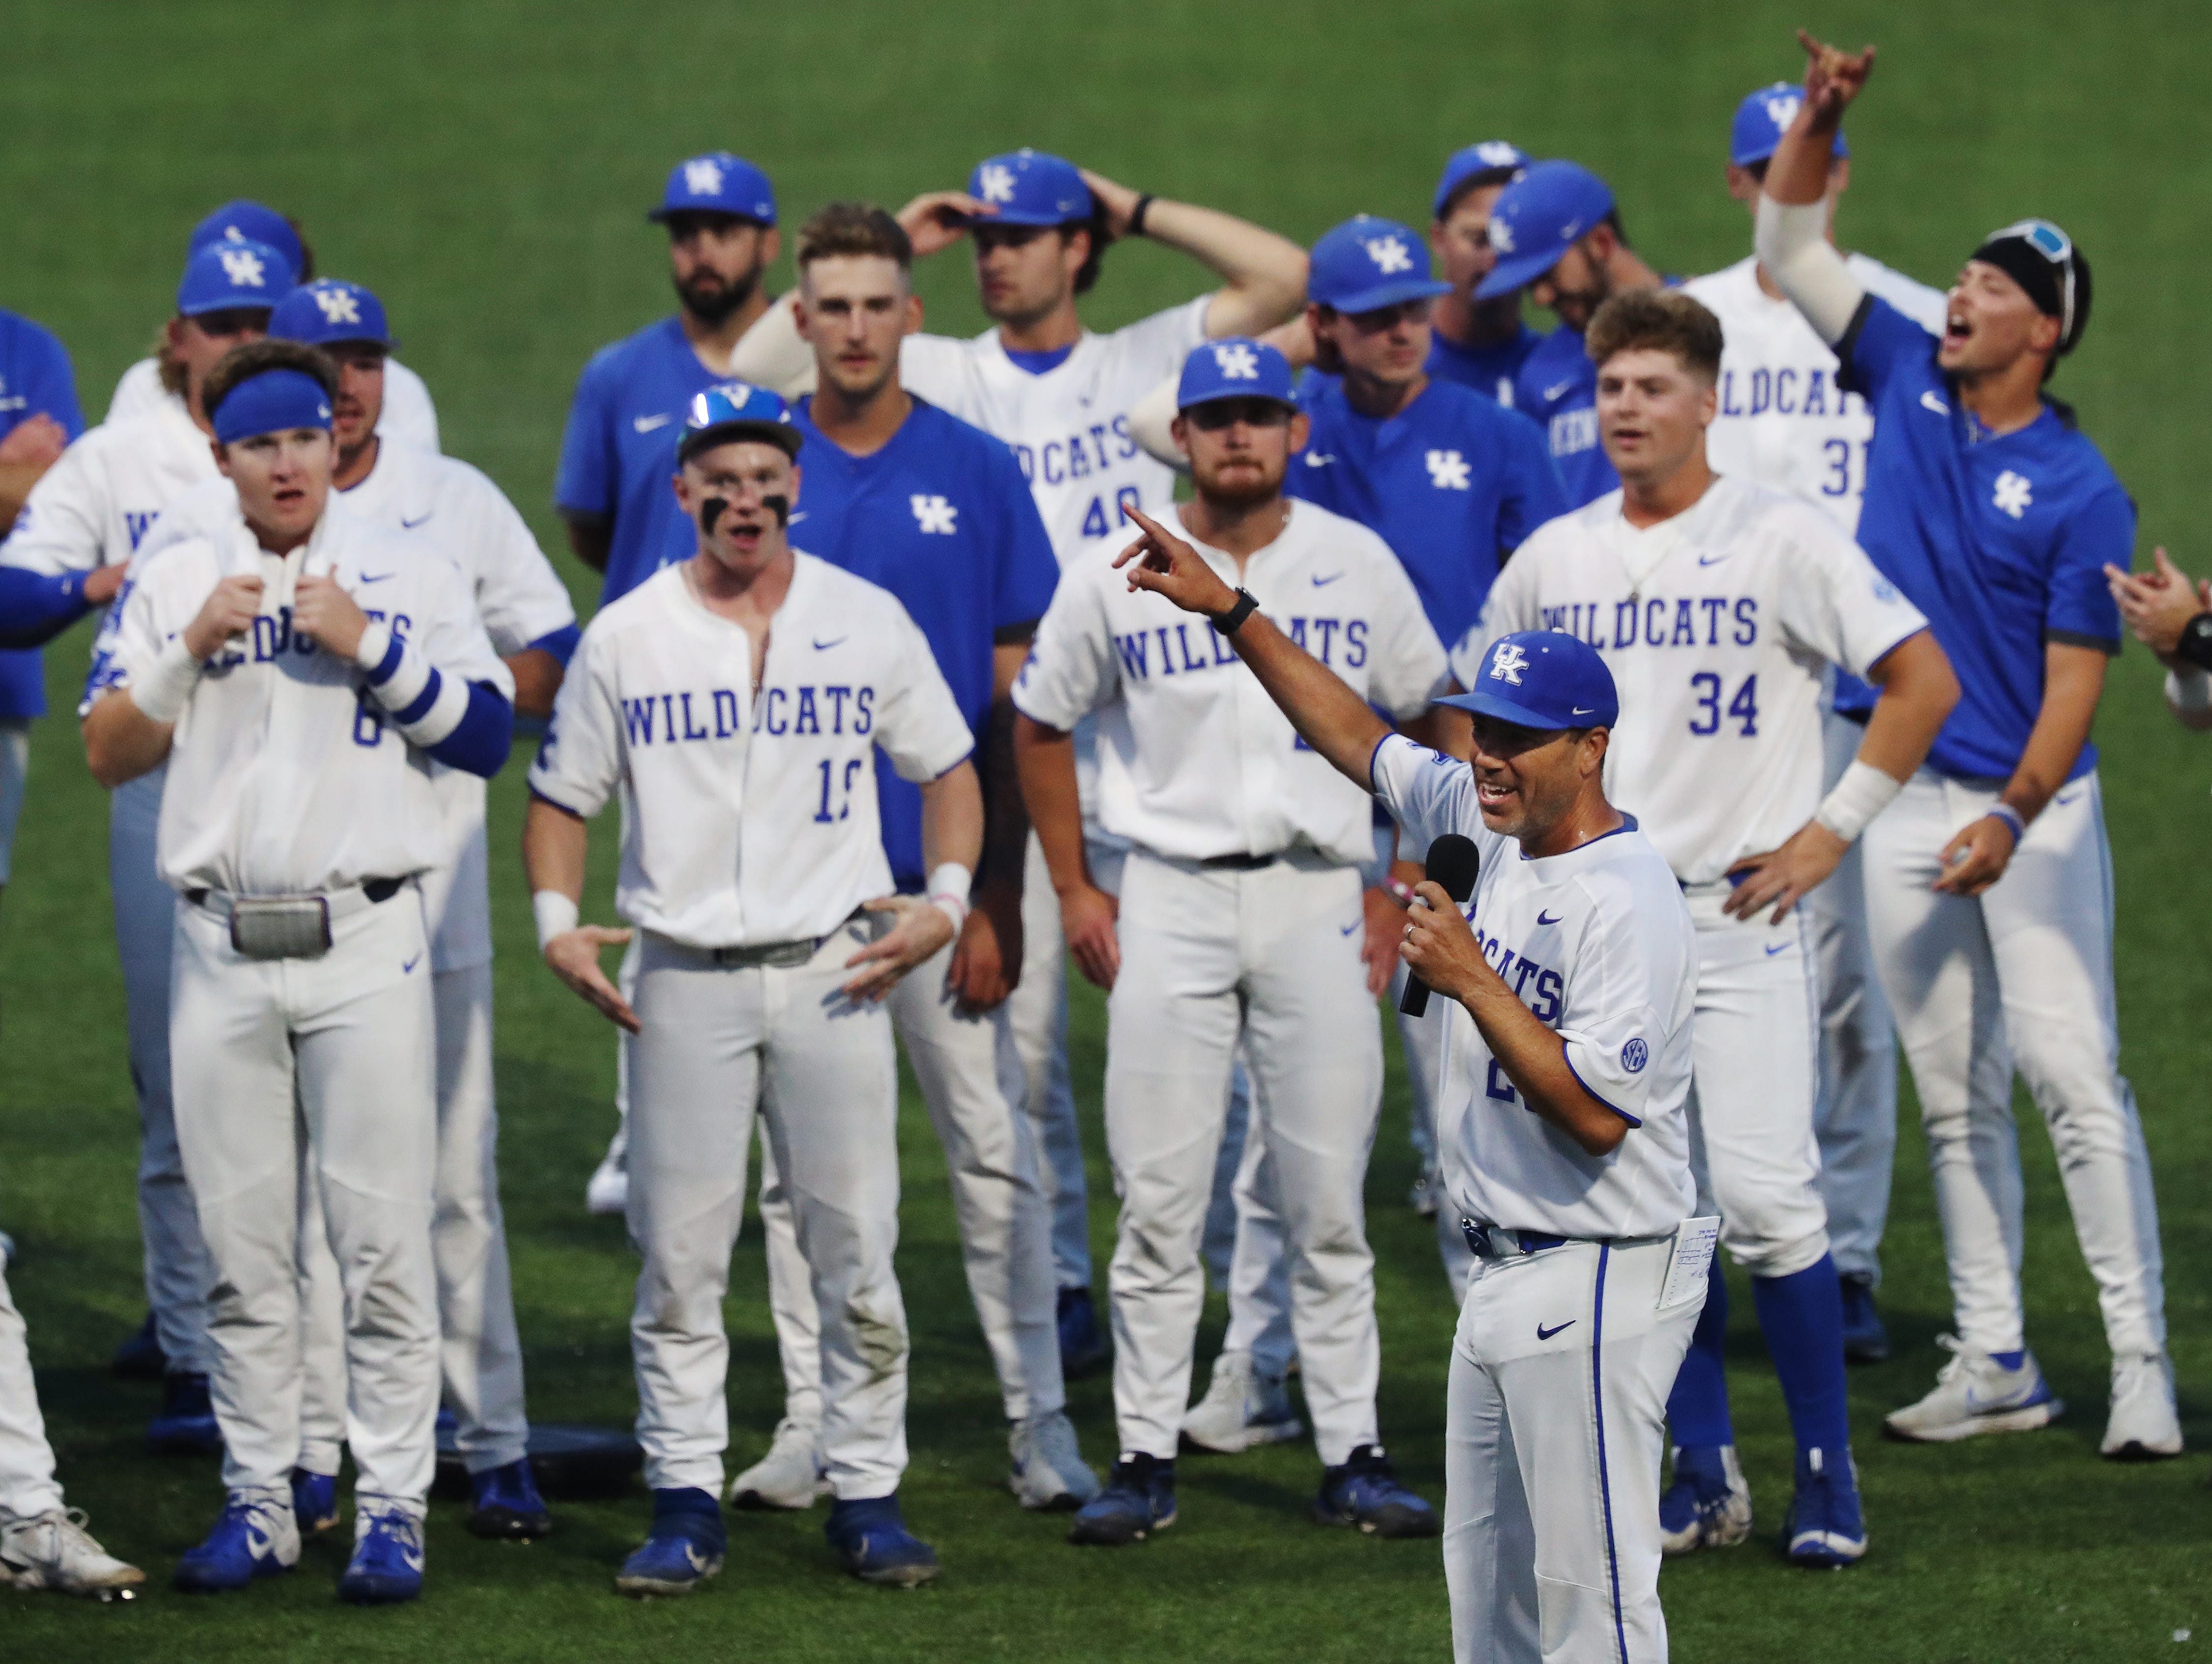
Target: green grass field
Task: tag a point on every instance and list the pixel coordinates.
(485, 168)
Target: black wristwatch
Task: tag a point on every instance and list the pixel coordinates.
(1137, 215)
(2195, 642)
(1226, 622)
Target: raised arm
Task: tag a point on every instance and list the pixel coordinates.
(1152, 418)
(772, 354)
(1263, 276)
(1329, 716)
(1791, 237)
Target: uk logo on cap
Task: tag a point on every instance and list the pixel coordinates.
(1389, 255)
(998, 182)
(242, 265)
(1369, 262)
(1508, 662)
(719, 182)
(1236, 362)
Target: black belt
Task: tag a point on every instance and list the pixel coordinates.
(1238, 863)
(377, 890)
(1481, 1243)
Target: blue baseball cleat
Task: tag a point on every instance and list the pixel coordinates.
(1824, 1527)
(684, 1547)
(255, 1537)
(314, 1500)
(1139, 1499)
(504, 1505)
(386, 1567)
(1364, 1492)
(870, 1536)
(1865, 1338)
(1706, 1504)
(184, 1425)
(1082, 1345)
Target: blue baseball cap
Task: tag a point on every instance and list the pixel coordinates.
(1492, 156)
(1369, 263)
(1541, 678)
(1030, 187)
(736, 410)
(1763, 117)
(232, 273)
(241, 220)
(717, 183)
(329, 310)
(1543, 215)
(1234, 367)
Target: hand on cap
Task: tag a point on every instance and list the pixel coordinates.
(1118, 200)
(936, 220)
(1833, 78)
(1168, 566)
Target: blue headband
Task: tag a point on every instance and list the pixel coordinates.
(270, 402)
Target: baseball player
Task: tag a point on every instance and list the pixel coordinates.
(39, 417)
(410, 417)
(1059, 395)
(1480, 343)
(738, 700)
(1783, 422)
(934, 511)
(1566, 1070)
(67, 555)
(44, 1544)
(1989, 886)
(452, 512)
(297, 815)
(1556, 232)
(1721, 605)
(1239, 919)
(619, 449)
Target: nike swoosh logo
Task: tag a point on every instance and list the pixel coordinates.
(1319, 460)
(2068, 797)
(408, 525)
(1583, 710)
(410, 964)
(1779, 947)
(1543, 918)
(1543, 1333)
(377, 577)
(1349, 928)
(647, 424)
(1553, 392)
(1711, 560)
(824, 647)
(1929, 401)
(1318, 581)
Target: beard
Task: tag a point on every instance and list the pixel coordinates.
(709, 297)
(1243, 489)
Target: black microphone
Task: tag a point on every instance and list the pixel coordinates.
(1454, 863)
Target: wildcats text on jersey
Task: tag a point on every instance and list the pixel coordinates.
(1332, 641)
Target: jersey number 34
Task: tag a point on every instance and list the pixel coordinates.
(1743, 709)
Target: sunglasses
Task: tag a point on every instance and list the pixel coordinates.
(2055, 246)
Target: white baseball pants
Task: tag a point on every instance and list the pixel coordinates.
(178, 1273)
(316, 1074)
(721, 1044)
(479, 1351)
(2030, 959)
(1270, 956)
(1554, 1425)
(1855, 1105)
(971, 1081)
(27, 1461)
(1038, 1012)
(1751, 1098)
(14, 779)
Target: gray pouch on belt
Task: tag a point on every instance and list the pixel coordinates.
(281, 926)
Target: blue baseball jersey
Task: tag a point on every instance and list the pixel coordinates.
(1453, 482)
(1557, 387)
(1491, 370)
(942, 518)
(618, 451)
(34, 379)
(1999, 539)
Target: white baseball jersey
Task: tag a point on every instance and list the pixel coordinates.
(284, 778)
(1718, 626)
(461, 515)
(750, 812)
(409, 417)
(1598, 945)
(1070, 426)
(95, 506)
(1196, 760)
(1782, 423)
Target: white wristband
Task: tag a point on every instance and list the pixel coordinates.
(1863, 792)
(167, 687)
(556, 914)
(947, 890)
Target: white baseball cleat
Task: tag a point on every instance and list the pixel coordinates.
(789, 1476)
(1427, 1193)
(2143, 1426)
(1243, 1409)
(1976, 1394)
(1049, 1469)
(608, 1191)
(53, 1551)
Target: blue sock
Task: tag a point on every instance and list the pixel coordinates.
(1697, 1408)
(2008, 1360)
(1802, 1317)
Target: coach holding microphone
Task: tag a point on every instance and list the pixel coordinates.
(1559, 1122)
